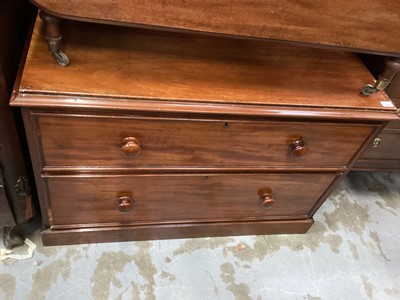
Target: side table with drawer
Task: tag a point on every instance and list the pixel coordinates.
(153, 135)
(383, 152)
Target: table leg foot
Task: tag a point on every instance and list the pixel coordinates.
(52, 33)
(392, 67)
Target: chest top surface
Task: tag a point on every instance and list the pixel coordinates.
(126, 65)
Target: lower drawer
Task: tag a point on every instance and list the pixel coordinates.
(157, 199)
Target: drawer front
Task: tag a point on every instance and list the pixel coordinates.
(184, 198)
(393, 125)
(76, 141)
(387, 149)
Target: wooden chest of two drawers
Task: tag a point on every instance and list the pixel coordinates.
(176, 135)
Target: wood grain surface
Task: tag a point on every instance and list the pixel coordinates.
(210, 121)
(363, 24)
(88, 140)
(183, 198)
(55, 236)
(125, 64)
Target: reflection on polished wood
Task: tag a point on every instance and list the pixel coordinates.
(92, 140)
(142, 64)
(366, 25)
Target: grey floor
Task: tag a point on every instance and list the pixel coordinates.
(351, 252)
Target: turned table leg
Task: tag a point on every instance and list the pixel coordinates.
(53, 36)
(391, 68)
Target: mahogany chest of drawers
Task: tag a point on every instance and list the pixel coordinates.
(152, 135)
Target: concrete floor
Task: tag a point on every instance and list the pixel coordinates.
(351, 252)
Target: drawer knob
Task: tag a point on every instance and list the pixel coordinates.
(130, 147)
(124, 204)
(375, 143)
(266, 199)
(298, 148)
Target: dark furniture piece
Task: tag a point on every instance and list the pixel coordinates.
(162, 135)
(383, 154)
(16, 209)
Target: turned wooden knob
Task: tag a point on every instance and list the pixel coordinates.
(130, 147)
(267, 200)
(298, 148)
(124, 204)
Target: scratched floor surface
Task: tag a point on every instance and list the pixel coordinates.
(351, 252)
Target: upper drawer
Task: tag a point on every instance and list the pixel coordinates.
(93, 141)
